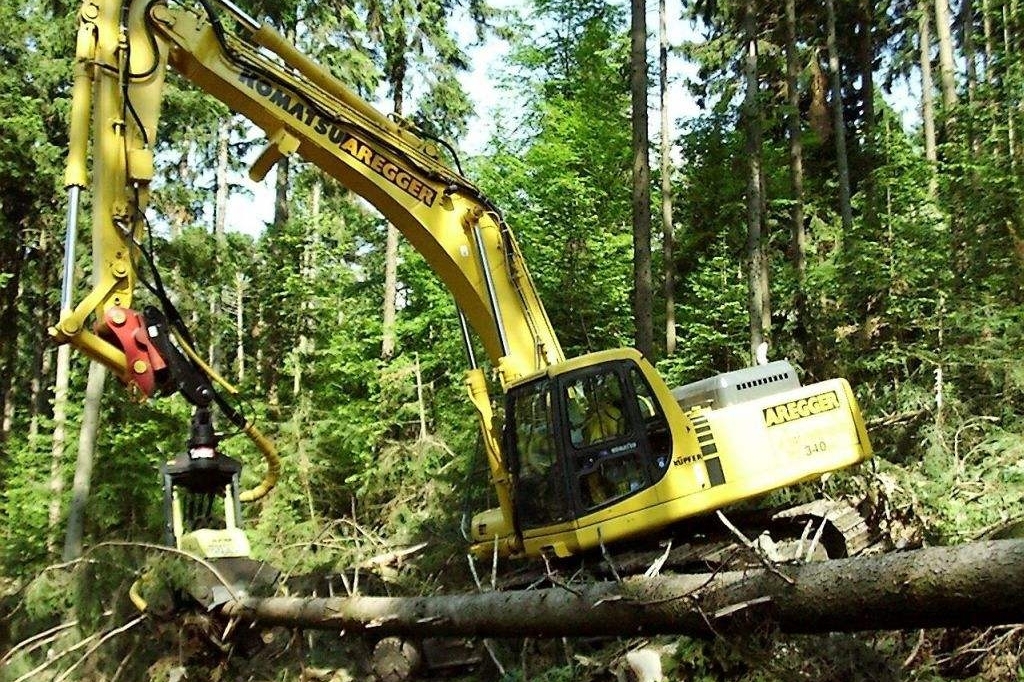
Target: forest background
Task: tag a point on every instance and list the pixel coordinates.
(795, 207)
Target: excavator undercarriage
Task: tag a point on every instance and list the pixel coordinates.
(816, 531)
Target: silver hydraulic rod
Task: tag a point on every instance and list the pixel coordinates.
(489, 283)
(67, 283)
(467, 340)
(250, 23)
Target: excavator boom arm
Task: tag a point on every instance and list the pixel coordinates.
(303, 109)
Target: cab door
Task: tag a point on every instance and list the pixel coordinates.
(605, 449)
(539, 474)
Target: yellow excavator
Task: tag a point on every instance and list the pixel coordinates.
(591, 450)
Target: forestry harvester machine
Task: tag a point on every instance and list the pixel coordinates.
(592, 450)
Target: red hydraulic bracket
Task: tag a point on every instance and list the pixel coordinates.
(142, 360)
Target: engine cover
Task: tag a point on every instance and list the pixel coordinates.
(732, 388)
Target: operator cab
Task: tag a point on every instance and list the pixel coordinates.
(580, 440)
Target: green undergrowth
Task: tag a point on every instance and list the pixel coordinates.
(399, 535)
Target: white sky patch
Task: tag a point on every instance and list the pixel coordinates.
(251, 210)
(480, 82)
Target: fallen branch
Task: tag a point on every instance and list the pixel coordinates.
(752, 545)
(37, 640)
(31, 674)
(109, 635)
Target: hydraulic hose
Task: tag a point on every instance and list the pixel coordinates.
(258, 438)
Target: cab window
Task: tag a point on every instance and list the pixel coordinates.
(607, 447)
(535, 442)
(596, 410)
(659, 437)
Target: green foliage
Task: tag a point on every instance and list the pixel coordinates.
(49, 594)
(715, 336)
(562, 179)
(970, 487)
(163, 578)
(23, 503)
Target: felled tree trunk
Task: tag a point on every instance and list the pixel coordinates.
(968, 585)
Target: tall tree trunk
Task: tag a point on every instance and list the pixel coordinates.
(9, 398)
(301, 398)
(60, 420)
(970, 59)
(420, 401)
(257, 371)
(842, 165)
(390, 313)
(819, 117)
(668, 238)
(947, 74)
(220, 206)
(239, 326)
(866, 59)
(9, 328)
(42, 351)
(220, 209)
(272, 335)
(15, 214)
(1007, 34)
(973, 179)
(927, 97)
(181, 214)
(83, 466)
(7, 423)
(389, 316)
(642, 280)
(1009, 54)
(42, 363)
(947, 88)
(757, 295)
(282, 206)
(798, 236)
(305, 270)
(967, 29)
(986, 25)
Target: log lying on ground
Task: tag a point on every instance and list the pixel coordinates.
(968, 585)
